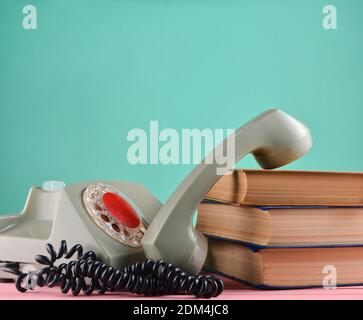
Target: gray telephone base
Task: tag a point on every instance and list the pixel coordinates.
(52, 216)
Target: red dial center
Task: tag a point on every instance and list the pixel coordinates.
(121, 210)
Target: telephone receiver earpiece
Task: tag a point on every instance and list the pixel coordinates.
(274, 138)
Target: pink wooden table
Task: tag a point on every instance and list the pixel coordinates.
(233, 291)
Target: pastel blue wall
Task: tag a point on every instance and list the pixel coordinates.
(71, 90)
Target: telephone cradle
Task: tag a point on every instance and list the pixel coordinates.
(121, 223)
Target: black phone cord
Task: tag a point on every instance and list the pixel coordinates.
(88, 274)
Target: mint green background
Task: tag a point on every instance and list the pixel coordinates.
(71, 90)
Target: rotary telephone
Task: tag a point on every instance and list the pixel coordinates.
(122, 222)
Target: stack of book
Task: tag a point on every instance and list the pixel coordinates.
(284, 229)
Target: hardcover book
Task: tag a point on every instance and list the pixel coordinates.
(283, 187)
(283, 226)
(286, 267)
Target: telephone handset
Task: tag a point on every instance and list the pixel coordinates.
(122, 222)
(274, 138)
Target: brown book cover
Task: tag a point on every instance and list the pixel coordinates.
(278, 187)
(286, 267)
(282, 226)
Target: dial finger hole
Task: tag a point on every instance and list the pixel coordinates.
(98, 207)
(105, 218)
(115, 227)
